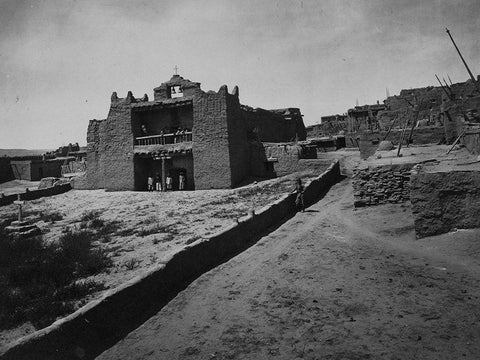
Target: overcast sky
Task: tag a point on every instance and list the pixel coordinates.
(60, 60)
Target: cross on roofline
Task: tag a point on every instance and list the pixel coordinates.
(176, 69)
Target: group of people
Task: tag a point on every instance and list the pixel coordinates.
(155, 184)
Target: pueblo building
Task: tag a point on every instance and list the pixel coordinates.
(208, 136)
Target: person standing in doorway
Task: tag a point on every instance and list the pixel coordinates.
(181, 181)
(150, 183)
(168, 182)
(158, 182)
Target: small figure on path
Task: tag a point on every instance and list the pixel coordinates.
(150, 183)
(299, 189)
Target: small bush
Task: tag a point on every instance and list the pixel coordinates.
(126, 232)
(131, 264)
(90, 215)
(96, 223)
(52, 216)
(150, 220)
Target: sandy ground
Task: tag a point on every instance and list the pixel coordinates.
(331, 283)
(152, 226)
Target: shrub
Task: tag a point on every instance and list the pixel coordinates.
(90, 215)
(39, 280)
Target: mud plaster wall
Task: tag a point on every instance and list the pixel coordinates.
(6, 173)
(471, 140)
(101, 323)
(237, 140)
(270, 127)
(95, 175)
(118, 156)
(287, 156)
(381, 185)
(442, 201)
(36, 194)
(34, 170)
(211, 155)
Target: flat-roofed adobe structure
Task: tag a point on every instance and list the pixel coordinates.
(208, 136)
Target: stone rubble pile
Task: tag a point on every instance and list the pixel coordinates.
(381, 185)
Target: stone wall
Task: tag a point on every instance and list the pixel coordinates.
(443, 201)
(211, 154)
(381, 185)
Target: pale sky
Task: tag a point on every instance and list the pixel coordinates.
(60, 60)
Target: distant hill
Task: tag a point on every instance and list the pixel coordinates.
(22, 152)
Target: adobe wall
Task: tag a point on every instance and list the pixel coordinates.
(36, 194)
(211, 155)
(101, 323)
(95, 175)
(471, 140)
(288, 156)
(268, 126)
(21, 169)
(50, 168)
(443, 201)
(189, 88)
(237, 139)
(118, 152)
(6, 173)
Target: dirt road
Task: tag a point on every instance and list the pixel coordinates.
(331, 283)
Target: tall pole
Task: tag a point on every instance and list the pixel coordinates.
(461, 57)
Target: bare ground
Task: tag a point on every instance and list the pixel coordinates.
(331, 283)
(148, 227)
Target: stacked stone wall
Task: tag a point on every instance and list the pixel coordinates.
(211, 155)
(381, 185)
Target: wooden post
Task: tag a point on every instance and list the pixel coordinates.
(20, 203)
(163, 173)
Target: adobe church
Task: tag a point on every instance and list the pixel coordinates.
(209, 137)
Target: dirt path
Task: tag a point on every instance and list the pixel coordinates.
(331, 283)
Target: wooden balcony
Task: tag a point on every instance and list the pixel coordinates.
(164, 139)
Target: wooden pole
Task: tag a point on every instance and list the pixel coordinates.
(163, 173)
(401, 136)
(413, 125)
(456, 141)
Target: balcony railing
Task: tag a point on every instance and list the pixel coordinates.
(164, 139)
